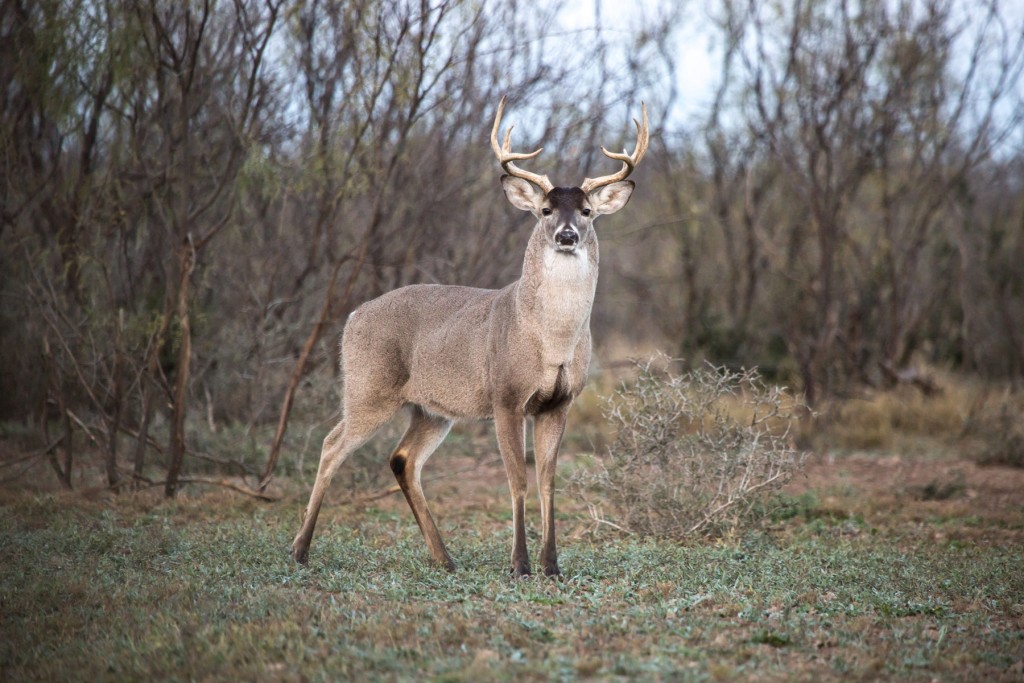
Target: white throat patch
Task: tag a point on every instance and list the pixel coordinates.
(564, 300)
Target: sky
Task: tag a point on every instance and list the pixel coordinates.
(698, 65)
(698, 57)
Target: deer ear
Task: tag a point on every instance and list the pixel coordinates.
(522, 194)
(611, 198)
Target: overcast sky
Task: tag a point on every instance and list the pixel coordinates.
(698, 64)
(698, 56)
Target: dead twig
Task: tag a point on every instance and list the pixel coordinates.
(226, 483)
(85, 428)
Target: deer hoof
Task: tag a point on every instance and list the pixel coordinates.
(520, 572)
(300, 554)
(553, 572)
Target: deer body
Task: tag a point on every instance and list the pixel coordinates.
(442, 344)
(446, 353)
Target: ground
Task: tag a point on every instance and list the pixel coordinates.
(876, 566)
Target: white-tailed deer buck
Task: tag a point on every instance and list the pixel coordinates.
(449, 353)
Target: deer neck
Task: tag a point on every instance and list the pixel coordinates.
(555, 295)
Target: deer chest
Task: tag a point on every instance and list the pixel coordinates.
(563, 302)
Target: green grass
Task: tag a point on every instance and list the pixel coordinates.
(138, 588)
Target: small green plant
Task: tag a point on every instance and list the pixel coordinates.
(695, 452)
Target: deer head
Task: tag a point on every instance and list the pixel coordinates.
(566, 214)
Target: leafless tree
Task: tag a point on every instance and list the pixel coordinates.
(817, 217)
(199, 193)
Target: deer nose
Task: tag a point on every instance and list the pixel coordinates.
(567, 237)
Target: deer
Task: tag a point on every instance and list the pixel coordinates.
(445, 353)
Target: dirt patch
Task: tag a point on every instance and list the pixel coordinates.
(972, 501)
(883, 489)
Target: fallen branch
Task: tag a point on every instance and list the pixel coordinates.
(245, 470)
(20, 473)
(375, 496)
(234, 486)
(226, 483)
(45, 450)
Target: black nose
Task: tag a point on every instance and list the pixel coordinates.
(567, 237)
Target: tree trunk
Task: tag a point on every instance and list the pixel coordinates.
(176, 451)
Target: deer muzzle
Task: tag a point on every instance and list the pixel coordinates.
(567, 238)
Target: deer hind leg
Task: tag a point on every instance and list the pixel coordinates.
(421, 439)
(352, 432)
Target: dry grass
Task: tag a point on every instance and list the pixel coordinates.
(994, 428)
(880, 418)
(983, 421)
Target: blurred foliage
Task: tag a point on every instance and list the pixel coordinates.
(850, 205)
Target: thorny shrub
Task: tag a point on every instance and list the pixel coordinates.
(697, 451)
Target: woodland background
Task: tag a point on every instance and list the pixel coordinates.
(196, 194)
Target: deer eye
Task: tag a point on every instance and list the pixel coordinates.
(546, 211)
(586, 212)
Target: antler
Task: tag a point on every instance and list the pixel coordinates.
(629, 161)
(506, 156)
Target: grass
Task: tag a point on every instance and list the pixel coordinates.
(903, 564)
(139, 588)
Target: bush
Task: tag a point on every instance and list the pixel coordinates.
(695, 452)
(995, 430)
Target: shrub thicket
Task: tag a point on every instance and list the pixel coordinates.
(697, 451)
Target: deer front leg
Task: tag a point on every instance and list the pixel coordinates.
(547, 435)
(510, 426)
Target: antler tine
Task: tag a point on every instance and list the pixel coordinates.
(629, 161)
(506, 156)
